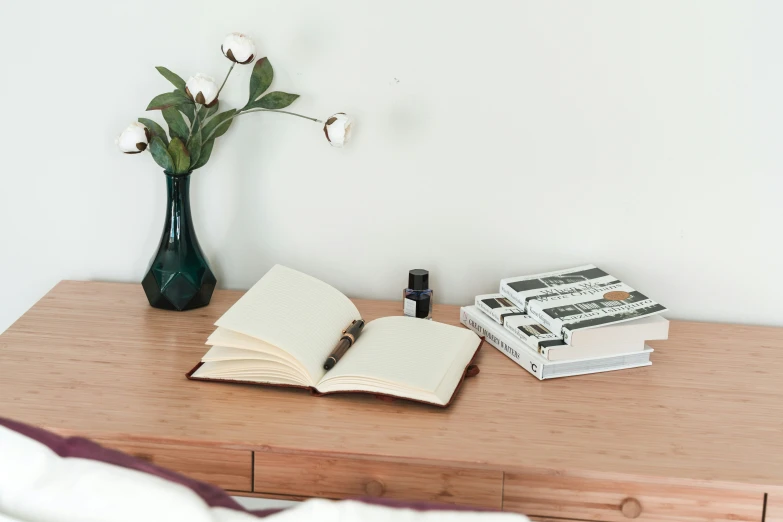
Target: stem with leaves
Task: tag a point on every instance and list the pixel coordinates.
(216, 124)
(194, 123)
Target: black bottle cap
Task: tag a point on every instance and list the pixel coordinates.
(418, 279)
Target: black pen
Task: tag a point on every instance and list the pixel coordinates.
(349, 337)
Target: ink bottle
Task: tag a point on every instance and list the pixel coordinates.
(417, 298)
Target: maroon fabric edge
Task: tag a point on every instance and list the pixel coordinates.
(213, 496)
(82, 448)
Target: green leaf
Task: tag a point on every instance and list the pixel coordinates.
(178, 82)
(179, 153)
(260, 79)
(188, 109)
(177, 126)
(218, 125)
(206, 152)
(212, 110)
(203, 115)
(155, 129)
(161, 155)
(168, 99)
(194, 147)
(274, 100)
(205, 112)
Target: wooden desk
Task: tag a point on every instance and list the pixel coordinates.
(697, 436)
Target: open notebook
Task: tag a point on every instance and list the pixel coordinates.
(283, 329)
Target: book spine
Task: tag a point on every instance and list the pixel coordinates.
(529, 361)
(536, 311)
(497, 307)
(543, 344)
(527, 306)
(567, 333)
(507, 292)
(545, 347)
(529, 341)
(481, 305)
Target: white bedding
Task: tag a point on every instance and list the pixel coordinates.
(37, 485)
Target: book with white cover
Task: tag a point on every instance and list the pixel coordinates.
(576, 300)
(534, 363)
(532, 333)
(553, 348)
(270, 337)
(497, 307)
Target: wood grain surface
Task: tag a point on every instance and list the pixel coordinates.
(94, 359)
(601, 496)
(229, 469)
(328, 477)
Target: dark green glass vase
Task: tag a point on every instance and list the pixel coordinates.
(179, 277)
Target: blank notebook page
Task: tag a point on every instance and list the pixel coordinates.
(415, 353)
(273, 311)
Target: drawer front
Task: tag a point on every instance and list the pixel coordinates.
(298, 475)
(229, 469)
(615, 498)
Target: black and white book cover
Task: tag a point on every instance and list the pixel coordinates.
(535, 363)
(576, 298)
(525, 356)
(533, 333)
(497, 307)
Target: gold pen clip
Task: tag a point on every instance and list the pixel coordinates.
(346, 328)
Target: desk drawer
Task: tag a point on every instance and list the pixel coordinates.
(298, 475)
(229, 469)
(618, 499)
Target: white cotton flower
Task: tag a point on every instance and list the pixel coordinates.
(238, 48)
(202, 89)
(134, 138)
(338, 129)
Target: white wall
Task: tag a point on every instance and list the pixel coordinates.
(492, 139)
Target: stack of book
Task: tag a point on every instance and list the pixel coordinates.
(568, 322)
